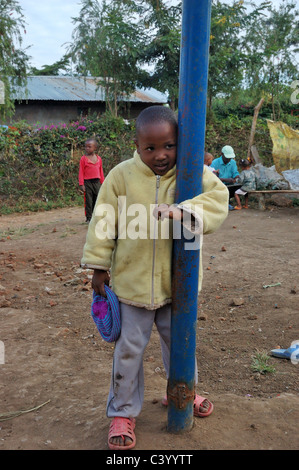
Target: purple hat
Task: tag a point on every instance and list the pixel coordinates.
(105, 313)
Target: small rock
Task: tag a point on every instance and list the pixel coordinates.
(72, 282)
(281, 201)
(237, 301)
(4, 303)
(252, 317)
(38, 265)
(150, 359)
(62, 331)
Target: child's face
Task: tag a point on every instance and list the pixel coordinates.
(208, 160)
(157, 146)
(90, 148)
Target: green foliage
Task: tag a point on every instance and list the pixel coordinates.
(39, 166)
(260, 363)
(234, 130)
(13, 59)
(162, 47)
(226, 55)
(106, 44)
(53, 69)
(272, 60)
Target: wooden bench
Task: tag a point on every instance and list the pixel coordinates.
(262, 193)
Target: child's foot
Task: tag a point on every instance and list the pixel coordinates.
(245, 207)
(238, 208)
(202, 407)
(121, 434)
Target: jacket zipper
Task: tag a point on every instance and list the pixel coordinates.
(154, 241)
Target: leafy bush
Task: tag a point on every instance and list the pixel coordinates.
(235, 131)
(39, 165)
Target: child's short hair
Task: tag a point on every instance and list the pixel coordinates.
(156, 115)
(92, 139)
(208, 158)
(245, 163)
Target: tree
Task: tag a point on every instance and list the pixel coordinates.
(272, 60)
(53, 69)
(162, 49)
(106, 44)
(226, 61)
(13, 59)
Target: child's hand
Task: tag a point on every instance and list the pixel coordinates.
(163, 211)
(99, 279)
(82, 187)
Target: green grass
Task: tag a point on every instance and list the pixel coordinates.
(260, 363)
(18, 232)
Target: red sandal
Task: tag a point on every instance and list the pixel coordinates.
(122, 427)
(197, 403)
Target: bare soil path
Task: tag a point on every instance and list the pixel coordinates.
(54, 356)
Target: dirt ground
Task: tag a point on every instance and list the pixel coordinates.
(52, 354)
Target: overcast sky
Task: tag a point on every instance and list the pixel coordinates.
(49, 26)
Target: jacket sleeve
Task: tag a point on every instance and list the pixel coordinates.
(102, 177)
(210, 208)
(102, 230)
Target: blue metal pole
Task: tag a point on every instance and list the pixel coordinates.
(196, 20)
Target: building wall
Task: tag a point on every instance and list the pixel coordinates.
(49, 112)
(43, 113)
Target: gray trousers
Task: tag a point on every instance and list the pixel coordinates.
(127, 380)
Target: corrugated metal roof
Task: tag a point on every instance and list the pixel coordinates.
(61, 88)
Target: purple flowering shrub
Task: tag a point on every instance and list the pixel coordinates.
(39, 165)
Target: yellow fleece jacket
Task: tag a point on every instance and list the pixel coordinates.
(125, 238)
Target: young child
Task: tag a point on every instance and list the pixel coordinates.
(91, 176)
(140, 266)
(248, 179)
(208, 158)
